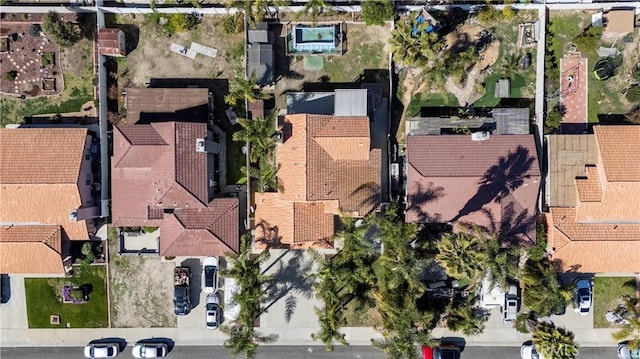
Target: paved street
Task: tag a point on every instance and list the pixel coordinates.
(286, 352)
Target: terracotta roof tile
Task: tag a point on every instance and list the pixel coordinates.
(589, 188)
(619, 146)
(312, 223)
(41, 155)
(31, 250)
(492, 183)
(108, 42)
(325, 167)
(141, 135)
(191, 166)
(175, 180)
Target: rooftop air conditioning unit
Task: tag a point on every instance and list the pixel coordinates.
(480, 136)
(200, 145)
(278, 136)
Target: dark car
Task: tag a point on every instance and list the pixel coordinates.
(5, 288)
(182, 300)
(447, 351)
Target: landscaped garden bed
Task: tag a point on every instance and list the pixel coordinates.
(80, 301)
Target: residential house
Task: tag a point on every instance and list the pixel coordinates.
(46, 197)
(111, 42)
(165, 174)
(326, 168)
(452, 120)
(489, 181)
(593, 224)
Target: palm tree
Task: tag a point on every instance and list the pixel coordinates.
(241, 89)
(258, 133)
(314, 8)
(463, 256)
(554, 342)
(510, 64)
(502, 264)
(244, 339)
(256, 10)
(543, 293)
(464, 316)
(631, 330)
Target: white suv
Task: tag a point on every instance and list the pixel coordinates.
(210, 268)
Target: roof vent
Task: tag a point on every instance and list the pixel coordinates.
(480, 136)
(200, 145)
(278, 136)
(73, 216)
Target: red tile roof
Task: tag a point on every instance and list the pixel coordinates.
(108, 42)
(31, 249)
(492, 183)
(325, 167)
(156, 170)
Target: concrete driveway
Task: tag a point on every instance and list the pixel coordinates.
(13, 314)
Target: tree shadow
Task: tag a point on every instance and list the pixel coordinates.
(518, 226)
(370, 192)
(290, 279)
(500, 180)
(272, 238)
(422, 196)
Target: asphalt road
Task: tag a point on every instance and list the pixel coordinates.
(286, 352)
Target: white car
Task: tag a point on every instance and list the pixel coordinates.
(528, 351)
(212, 311)
(231, 308)
(583, 297)
(149, 350)
(101, 350)
(210, 268)
(624, 352)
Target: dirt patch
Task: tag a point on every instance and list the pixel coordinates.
(141, 288)
(35, 60)
(468, 35)
(152, 58)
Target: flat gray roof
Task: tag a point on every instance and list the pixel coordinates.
(568, 155)
(350, 102)
(503, 121)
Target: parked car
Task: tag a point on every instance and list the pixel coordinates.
(5, 288)
(150, 350)
(101, 350)
(210, 268)
(583, 297)
(511, 303)
(625, 352)
(231, 308)
(182, 290)
(447, 351)
(528, 351)
(212, 312)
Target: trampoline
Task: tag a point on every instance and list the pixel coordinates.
(604, 69)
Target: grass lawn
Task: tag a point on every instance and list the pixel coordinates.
(235, 160)
(44, 299)
(489, 99)
(605, 296)
(361, 316)
(348, 68)
(430, 99)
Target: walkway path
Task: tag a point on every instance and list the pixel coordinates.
(574, 92)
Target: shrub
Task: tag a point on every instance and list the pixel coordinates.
(11, 75)
(522, 322)
(149, 229)
(635, 73)
(376, 12)
(48, 58)
(553, 119)
(62, 32)
(87, 252)
(633, 94)
(589, 40)
(489, 14)
(232, 24)
(34, 30)
(508, 13)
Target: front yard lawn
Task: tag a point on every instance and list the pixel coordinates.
(606, 291)
(44, 298)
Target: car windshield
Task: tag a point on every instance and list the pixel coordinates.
(211, 306)
(209, 272)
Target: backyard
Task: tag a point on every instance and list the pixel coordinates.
(44, 299)
(140, 290)
(500, 57)
(76, 82)
(366, 49)
(605, 296)
(604, 97)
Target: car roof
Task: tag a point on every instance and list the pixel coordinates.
(213, 298)
(210, 261)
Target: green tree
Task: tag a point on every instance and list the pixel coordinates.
(465, 316)
(554, 342)
(510, 65)
(416, 51)
(553, 119)
(87, 252)
(241, 89)
(62, 32)
(245, 269)
(502, 264)
(543, 293)
(633, 94)
(589, 40)
(631, 330)
(313, 9)
(256, 10)
(258, 133)
(265, 173)
(462, 255)
(489, 15)
(376, 12)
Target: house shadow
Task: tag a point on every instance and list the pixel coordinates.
(500, 180)
(290, 281)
